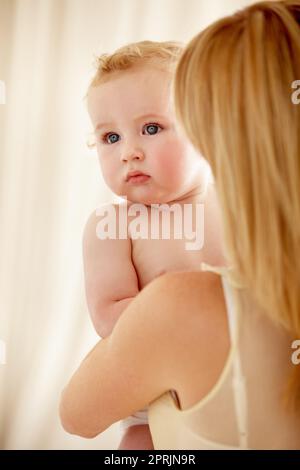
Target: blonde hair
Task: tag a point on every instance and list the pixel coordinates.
(163, 54)
(233, 94)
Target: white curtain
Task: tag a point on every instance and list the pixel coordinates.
(49, 184)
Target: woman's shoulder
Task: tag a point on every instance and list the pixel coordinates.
(188, 302)
(194, 307)
(194, 288)
(174, 310)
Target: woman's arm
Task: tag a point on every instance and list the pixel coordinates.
(167, 330)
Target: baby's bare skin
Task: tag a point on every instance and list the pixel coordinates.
(152, 258)
(137, 438)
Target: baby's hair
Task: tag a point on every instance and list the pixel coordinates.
(164, 54)
(234, 98)
(161, 54)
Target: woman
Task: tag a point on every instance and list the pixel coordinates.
(211, 354)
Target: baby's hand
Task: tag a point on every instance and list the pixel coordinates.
(105, 321)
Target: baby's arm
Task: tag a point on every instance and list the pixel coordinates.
(111, 281)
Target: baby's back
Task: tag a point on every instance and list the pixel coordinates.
(175, 238)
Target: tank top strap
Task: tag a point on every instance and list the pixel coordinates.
(239, 383)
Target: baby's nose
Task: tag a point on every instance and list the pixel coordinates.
(134, 154)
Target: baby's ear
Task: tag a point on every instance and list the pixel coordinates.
(91, 140)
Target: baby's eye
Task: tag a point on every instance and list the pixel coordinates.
(111, 138)
(151, 129)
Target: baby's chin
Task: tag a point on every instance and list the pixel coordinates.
(147, 200)
(150, 194)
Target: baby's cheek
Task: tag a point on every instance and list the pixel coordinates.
(174, 163)
(168, 165)
(109, 172)
(166, 171)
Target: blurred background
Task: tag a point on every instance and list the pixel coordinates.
(49, 184)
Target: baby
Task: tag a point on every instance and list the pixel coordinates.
(147, 161)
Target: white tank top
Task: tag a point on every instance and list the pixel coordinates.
(244, 409)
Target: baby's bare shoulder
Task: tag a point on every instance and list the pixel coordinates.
(106, 218)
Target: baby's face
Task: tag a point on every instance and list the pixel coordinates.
(135, 131)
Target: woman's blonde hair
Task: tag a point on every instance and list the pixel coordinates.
(234, 95)
(164, 54)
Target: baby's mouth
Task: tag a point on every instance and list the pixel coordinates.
(137, 177)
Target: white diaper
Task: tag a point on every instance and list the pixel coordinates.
(138, 418)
